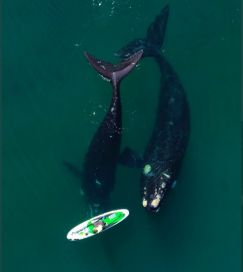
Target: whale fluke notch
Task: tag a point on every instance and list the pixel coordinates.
(114, 72)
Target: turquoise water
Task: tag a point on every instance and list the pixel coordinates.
(53, 102)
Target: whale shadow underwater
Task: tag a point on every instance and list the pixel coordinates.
(163, 155)
(100, 162)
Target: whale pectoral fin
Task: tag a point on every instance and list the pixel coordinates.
(130, 158)
(73, 169)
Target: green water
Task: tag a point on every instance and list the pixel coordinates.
(53, 102)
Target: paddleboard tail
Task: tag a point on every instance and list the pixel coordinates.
(151, 45)
(111, 72)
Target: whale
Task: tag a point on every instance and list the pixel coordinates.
(162, 158)
(100, 162)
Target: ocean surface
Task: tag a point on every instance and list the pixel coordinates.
(53, 102)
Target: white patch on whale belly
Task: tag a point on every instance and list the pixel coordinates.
(98, 182)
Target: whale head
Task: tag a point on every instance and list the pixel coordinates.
(154, 187)
(152, 197)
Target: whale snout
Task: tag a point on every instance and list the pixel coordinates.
(153, 210)
(154, 191)
(152, 204)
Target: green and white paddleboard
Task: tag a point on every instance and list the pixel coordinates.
(97, 224)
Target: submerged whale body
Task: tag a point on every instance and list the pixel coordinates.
(100, 162)
(165, 150)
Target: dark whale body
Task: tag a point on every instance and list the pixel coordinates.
(165, 150)
(100, 162)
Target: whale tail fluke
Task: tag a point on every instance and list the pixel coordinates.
(114, 73)
(151, 45)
